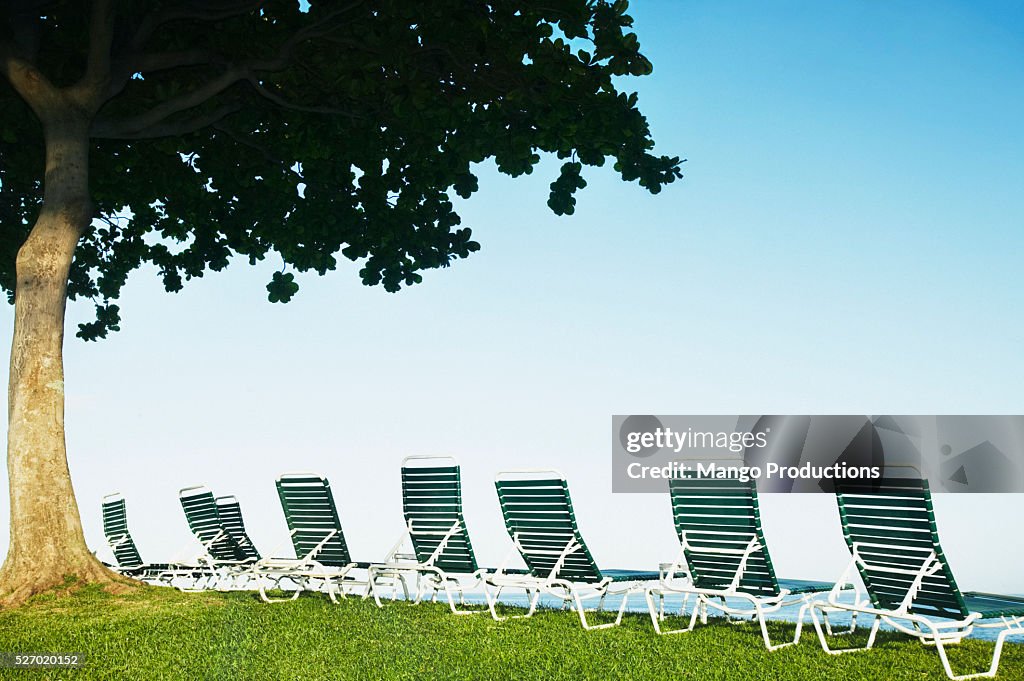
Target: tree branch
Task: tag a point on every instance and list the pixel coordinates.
(28, 81)
(162, 61)
(247, 142)
(161, 112)
(285, 104)
(156, 118)
(126, 66)
(210, 12)
(319, 28)
(101, 37)
(168, 128)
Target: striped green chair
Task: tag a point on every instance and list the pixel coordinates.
(231, 516)
(435, 533)
(889, 526)
(321, 554)
(126, 555)
(540, 520)
(115, 529)
(723, 559)
(229, 565)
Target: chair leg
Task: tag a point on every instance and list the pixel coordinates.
(534, 600)
(764, 627)
(849, 630)
(622, 608)
(996, 654)
(328, 586)
(373, 586)
(261, 586)
(492, 600)
(461, 608)
(658, 613)
(583, 614)
(839, 651)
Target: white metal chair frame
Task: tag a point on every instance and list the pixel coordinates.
(306, 573)
(176, 569)
(758, 606)
(429, 579)
(221, 575)
(922, 627)
(568, 591)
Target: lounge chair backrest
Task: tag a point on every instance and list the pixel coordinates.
(713, 515)
(204, 521)
(115, 528)
(231, 516)
(432, 505)
(309, 510)
(540, 519)
(890, 523)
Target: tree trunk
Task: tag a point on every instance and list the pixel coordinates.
(47, 545)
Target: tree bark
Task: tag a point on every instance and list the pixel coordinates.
(47, 545)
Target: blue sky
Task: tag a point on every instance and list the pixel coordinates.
(847, 239)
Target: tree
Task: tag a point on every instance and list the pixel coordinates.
(187, 133)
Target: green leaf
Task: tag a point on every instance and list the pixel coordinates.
(282, 287)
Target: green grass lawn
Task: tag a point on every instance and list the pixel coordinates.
(158, 633)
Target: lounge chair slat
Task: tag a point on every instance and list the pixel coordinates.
(538, 513)
(413, 471)
(115, 529)
(898, 515)
(231, 516)
(311, 515)
(739, 515)
(432, 501)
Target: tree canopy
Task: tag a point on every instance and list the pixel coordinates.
(311, 133)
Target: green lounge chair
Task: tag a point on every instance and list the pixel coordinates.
(231, 516)
(540, 520)
(230, 567)
(126, 554)
(436, 529)
(723, 557)
(889, 526)
(321, 553)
